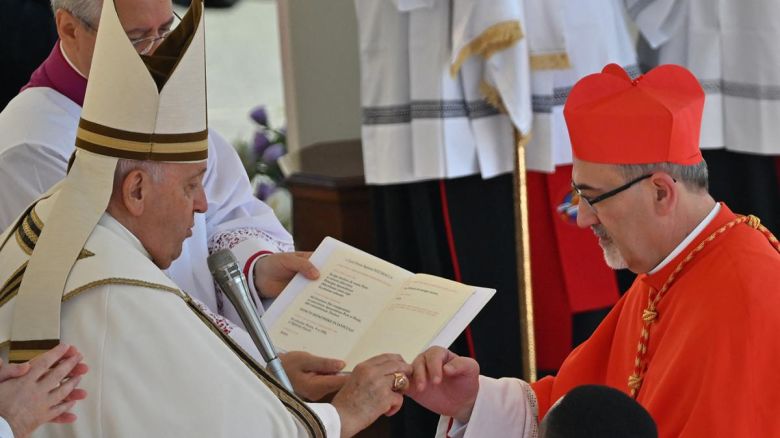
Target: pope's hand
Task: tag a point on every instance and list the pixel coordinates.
(369, 393)
(445, 383)
(273, 271)
(313, 377)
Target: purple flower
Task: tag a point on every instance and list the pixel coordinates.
(259, 115)
(273, 152)
(263, 186)
(260, 143)
(264, 190)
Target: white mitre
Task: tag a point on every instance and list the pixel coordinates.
(143, 109)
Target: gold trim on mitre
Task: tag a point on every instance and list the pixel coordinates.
(139, 146)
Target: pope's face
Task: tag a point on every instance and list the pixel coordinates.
(169, 212)
(620, 221)
(140, 19)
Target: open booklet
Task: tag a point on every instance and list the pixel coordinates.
(362, 306)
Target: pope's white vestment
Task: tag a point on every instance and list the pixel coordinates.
(37, 133)
(158, 365)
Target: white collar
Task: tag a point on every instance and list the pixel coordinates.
(114, 225)
(688, 239)
(65, 55)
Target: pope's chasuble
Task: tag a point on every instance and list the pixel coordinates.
(159, 364)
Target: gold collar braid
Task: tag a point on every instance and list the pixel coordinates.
(650, 313)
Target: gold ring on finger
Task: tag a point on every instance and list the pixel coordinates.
(400, 382)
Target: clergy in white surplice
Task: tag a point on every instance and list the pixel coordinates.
(731, 46)
(439, 158)
(568, 40)
(408, 46)
(489, 57)
(83, 265)
(448, 89)
(405, 107)
(440, 155)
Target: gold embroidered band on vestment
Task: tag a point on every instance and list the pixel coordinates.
(495, 38)
(492, 96)
(650, 314)
(294, 405)
(27, 233)
(550, 61)
(11, 286)
(23, 351)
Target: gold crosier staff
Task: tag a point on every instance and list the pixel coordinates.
(523, 251)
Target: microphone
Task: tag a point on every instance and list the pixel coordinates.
(224, 268)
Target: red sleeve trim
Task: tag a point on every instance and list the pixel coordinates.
(445, 210)
(250, 260)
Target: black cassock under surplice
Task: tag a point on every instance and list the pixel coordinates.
(411, 233)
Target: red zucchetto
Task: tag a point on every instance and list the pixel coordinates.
(652, 119)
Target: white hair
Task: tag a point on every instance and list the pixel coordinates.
(88, 10)
(154, 169)
(694, 176)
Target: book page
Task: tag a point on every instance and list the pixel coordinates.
(450, 332)
(330, 314)
(412, 318)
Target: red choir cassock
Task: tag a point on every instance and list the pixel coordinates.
(712, 350)
(712, 354)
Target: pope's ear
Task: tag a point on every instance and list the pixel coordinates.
(665, 192)
(134, 191)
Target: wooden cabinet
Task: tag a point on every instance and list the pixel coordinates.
(330, 197)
